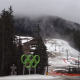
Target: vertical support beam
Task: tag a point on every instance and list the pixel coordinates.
(78, 64)
(29, 71)
(23, 69)
(38, 69)
(35, 70)
(47, 63)
(55, 44)
(67, 53)
(47, 71)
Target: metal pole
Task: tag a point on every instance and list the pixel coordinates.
(67, 54)
(47, 64)
(29, 71)
(55, 45)
(78, 63)
(35, 70)
(38, 69)
(23, 69)
(47, 68)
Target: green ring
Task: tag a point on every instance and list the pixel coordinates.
(30, 61)
(22, 58)
(38, 58)
(26, 61)
(30, 56)
(34, 60)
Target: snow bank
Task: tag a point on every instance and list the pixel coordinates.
(29, 77)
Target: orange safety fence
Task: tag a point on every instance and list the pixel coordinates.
(61, 74)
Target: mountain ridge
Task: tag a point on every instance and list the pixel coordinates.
(50, 27)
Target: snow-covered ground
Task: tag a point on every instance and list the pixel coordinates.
(29, 77)
(39, 77)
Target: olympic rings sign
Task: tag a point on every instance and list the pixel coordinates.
(33, 60)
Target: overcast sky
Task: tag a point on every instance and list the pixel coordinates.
(67, 9)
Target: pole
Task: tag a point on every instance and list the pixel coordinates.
(38, 69)
(67, 55)
(47, 64)
(55, 46)
(47, 70)
(78, 63)
(35, 70)
(23, 69)
(29, 71)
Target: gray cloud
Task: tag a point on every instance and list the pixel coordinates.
(67, 9)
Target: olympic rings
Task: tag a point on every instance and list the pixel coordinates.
(33, 60)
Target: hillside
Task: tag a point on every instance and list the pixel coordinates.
(50, 27)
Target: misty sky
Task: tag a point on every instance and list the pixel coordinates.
(67, 9)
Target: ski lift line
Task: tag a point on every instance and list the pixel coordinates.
(55, 42)
(67, 50)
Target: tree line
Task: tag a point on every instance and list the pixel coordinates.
(8, 47)
(10, 53)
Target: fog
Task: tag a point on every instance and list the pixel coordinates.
(67, 9)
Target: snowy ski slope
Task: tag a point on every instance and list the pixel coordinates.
(59, 48)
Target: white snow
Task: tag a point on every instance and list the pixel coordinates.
(59, 49)
(29, 77)
(24, 38)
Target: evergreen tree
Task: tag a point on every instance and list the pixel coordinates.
(76, 37)
(18, 58)
(41, 51)
(6, 37)
(1, 44)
